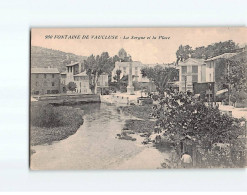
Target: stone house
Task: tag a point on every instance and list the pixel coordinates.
(45, 81)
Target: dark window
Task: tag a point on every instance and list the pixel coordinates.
(53, 75)
(37, 83)
(45, 76)
(183, 78)
(52, 84)
(194, 78)
(194, 69)
(37, 76)
(184, 69)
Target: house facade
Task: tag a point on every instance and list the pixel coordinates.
(82, 83)
(71, 70)
(136, 70)
(45, 81)
(191, 71)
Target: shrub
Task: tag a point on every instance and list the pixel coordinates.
(50, 116)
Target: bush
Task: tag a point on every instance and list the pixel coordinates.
(50, 116)
(49, 123)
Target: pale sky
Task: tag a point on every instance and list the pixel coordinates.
(148, 51)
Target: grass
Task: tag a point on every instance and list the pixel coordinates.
(49, 123)
(144, 125)
(142, 112)
(140, 126)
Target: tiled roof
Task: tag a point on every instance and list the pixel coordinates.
(192, 61)
(222, 56)
(44, 70)
(134, 63)
(73, 64)
(81, 74)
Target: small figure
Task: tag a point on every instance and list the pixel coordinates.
(186, 160)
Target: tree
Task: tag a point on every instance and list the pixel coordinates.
(232, 74)
(96, 65)
(117, 76)
(181, 115)
(160, 76)
(215, 49)
(71, 86)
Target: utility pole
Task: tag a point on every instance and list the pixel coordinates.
(229, 87)
(185, 83)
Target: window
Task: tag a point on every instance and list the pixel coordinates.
(53, 75)
(194, 78)
(37, 76)
(210, 77)
(210, 64)
(52, 83)
(184, 69)
(183, 78)
(124, 70)
(194, 69)
(45, 76)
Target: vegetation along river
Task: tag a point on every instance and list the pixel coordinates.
(95, 146)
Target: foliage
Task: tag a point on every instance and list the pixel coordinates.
(160, 76)
(232, 74)
(49, 116)
(71, 86)
(49, 123)
(117, 76)
(180, 115)
(215, 49)
(96, 65)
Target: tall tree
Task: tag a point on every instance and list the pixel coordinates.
(160, 76)
(215, 49)
(96, 65)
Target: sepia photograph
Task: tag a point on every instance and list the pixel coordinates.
(138, 98)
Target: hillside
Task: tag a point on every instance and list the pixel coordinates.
(43, 57)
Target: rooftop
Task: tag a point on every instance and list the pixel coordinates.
(44, 70)
(192, 61)
(81, 74)
(73, 64)
(222, 56)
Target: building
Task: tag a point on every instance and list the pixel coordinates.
(136, 70)
(72, 69)
(63, 82)
(45, 81)
(103, 83)
(191, 71)
(82, 83)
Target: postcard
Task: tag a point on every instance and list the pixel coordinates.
(138, 98)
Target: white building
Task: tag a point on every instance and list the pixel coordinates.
(136, 70)
(190, 71)
(82, 83)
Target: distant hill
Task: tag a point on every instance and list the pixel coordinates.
(43, 57)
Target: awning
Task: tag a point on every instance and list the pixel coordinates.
(221, 91)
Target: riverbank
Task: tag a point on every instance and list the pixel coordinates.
(142, 123)
(49, 123)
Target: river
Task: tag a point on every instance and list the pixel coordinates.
(95, 146)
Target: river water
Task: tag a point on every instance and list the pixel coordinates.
(95, 146)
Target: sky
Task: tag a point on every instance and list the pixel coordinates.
(148, 51)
